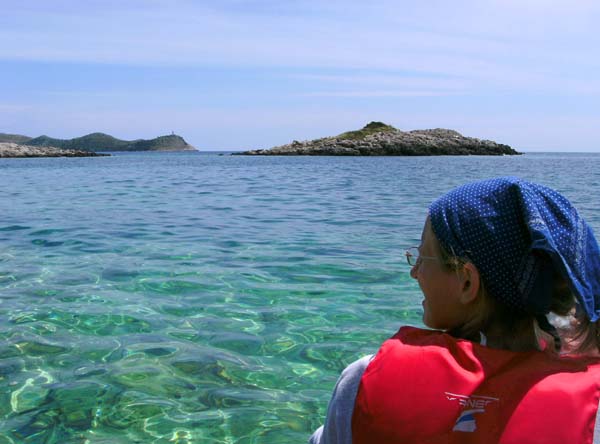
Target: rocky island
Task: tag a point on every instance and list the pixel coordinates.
(9, 149)
(380, 139)
(102, 142)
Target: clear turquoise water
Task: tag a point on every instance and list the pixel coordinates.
(187, 297)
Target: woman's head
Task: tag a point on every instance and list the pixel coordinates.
(519, 234)
(524, 241)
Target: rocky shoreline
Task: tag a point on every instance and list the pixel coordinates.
(379, 139)
(16, 150)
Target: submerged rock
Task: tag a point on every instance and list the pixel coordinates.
(379, 139)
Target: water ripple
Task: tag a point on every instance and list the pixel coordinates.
(185, 297)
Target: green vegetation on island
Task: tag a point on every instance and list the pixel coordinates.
(99, 142)
(13, 138)
(370, 128)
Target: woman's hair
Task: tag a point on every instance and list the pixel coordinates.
(518, 331)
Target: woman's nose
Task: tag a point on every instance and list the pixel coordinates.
(413, 271)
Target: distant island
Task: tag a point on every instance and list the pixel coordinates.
(380, 139)
(96, 142)
(9, 149)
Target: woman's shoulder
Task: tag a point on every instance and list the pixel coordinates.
(338, 424)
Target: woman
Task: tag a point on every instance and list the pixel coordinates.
(497, 257)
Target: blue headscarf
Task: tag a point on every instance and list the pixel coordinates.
(518, 234)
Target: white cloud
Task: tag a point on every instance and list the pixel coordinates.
(468, 38)
(385, 93)
(330, 50)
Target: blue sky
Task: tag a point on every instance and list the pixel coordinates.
(233, 74)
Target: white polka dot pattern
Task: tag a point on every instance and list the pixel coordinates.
(517, 233)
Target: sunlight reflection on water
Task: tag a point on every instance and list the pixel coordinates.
(182, 297)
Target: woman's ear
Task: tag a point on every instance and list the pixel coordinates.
(470, 283)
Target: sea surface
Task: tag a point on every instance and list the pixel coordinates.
(205, 298)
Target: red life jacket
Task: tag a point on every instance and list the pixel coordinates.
(426, 387)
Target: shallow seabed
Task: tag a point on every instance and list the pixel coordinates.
(199, 298)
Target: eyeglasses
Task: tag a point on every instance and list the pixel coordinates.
(414, 258)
